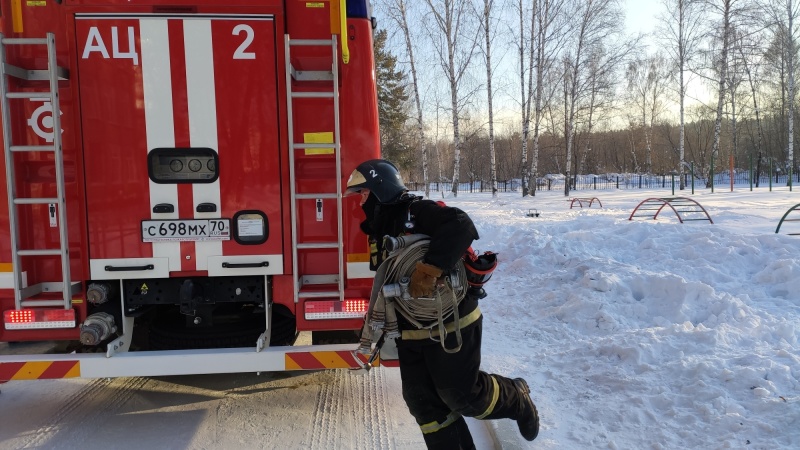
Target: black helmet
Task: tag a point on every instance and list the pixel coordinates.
(381, 177)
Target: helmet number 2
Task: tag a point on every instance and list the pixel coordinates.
(373, 173)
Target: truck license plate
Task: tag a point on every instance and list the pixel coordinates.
(186, 230)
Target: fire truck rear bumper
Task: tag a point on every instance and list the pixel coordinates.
(181, 362)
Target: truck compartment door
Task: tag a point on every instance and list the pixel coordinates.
(181, 135)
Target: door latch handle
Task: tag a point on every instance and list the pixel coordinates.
(206, 207)
(163, 208)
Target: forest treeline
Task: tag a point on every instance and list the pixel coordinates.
(486, 90)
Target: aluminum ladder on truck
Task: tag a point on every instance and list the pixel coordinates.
(306, 280)
(23, 294)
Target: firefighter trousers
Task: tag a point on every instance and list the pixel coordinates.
(441, 388)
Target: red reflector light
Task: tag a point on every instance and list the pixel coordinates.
(351, 308)
(26, 319)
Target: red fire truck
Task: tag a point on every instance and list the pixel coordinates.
(174, 173)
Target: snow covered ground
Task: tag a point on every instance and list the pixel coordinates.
(647, 334)
(642, 334)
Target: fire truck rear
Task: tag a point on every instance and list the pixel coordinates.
(174, 173)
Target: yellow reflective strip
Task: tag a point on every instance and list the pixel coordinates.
(430, 427)
(325, 137)
(495, 396)
(6, 267)
(335, 22)
(450, 327)
(331, 360)
(290, 364)
(16, 15)
(31, 370)
(343, 32)
(433, 427)
(351, 257)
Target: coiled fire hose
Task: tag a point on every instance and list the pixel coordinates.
(390, 295)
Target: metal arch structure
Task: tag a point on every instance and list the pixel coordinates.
(686, 209)
(582, 200)
(784, 219)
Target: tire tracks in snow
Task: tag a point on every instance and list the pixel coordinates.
(376, 411)
(91, 404)
(351, 408)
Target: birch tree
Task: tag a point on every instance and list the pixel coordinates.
(487, 27)
(784, 13)
(526, 33)
(751, 75)
(720, 65)
(454, 41)
(548, 40)
(596, 22)
(398, 13)
(732, 14)
(791, 46)
(681, 33)
(645, 86)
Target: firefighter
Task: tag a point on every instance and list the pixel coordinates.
(439, 387)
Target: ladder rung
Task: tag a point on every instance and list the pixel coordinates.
(34, 303)
(42, 252)
(312, 75)
(304, 146)
(35, 201)
(42, 95)
(315, 196)
(311, 42)
(311, 94)
(33, 148)
(318, 294)
(34, 75)
(25, 41)
(313, 245)
(50, 287)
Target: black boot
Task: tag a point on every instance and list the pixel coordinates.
(528, 419)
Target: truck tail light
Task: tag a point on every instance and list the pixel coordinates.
(351, 308)
(27, 319)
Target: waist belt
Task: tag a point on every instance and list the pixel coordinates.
(429, 333)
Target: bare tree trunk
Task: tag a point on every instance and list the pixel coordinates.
(681, 36)
(571, 90)
(759, 128)
(682, 126)
(597, 20)
(734, 143)
(723, 67)
(401, 18)
(487, 8)
(548, 15)
(542, 14)
(790, 63)
(449, 21)
(525, 94)
(648, 155)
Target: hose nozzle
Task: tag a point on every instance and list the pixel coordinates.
(399, 289)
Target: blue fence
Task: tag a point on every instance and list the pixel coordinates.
(602, 182)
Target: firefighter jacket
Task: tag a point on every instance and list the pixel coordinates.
(450, 229)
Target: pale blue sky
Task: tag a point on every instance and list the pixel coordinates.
(640, 15)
